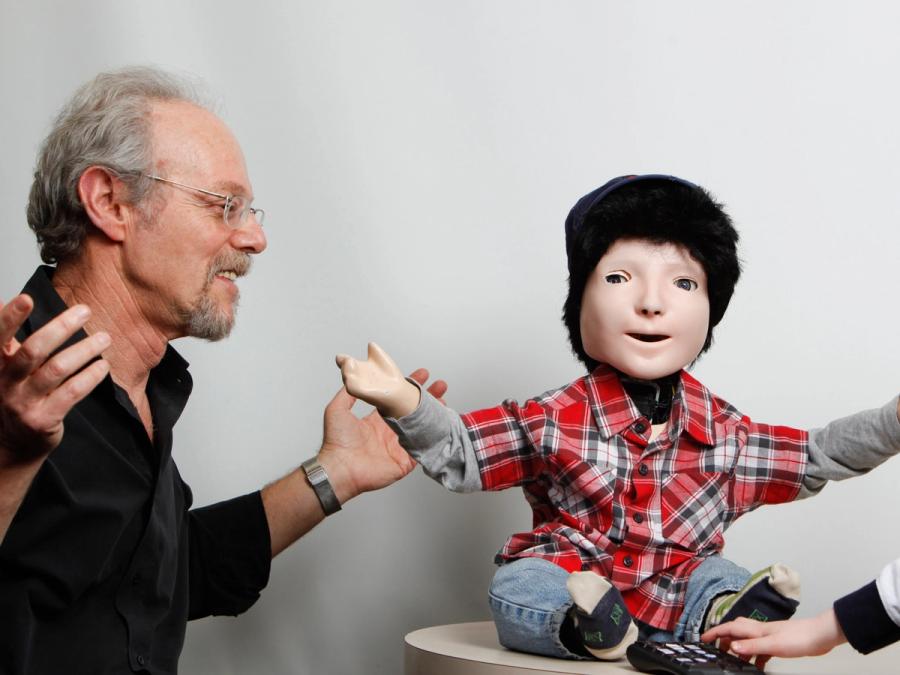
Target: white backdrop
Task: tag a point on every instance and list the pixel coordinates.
(416, 159)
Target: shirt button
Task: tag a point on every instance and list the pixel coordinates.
(640, 427)
(628, 562)
(638, 518)
(643, 469)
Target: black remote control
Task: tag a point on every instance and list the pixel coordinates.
(686, 658)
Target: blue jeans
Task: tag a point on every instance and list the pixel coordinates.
(529, 601)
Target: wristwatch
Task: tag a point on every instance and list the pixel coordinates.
(318, 479)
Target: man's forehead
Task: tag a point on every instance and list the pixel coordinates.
(190, 139)
(171, 120)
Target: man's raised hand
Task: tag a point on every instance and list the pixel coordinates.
(38, 388)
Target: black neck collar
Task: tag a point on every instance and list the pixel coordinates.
(652, 398)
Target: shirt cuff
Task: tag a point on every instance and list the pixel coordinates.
(425, 426)
(864, 620)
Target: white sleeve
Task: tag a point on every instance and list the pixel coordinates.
(888, 584)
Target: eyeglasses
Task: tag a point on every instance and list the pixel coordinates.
(236, 209)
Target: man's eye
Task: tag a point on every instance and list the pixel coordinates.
(686, 284)
(213, 203)
(615, 278)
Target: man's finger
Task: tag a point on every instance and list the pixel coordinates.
(342, 400)
(68, 362)
(35, 350)
(437, 389)
(420, 375)
(64, 397)
(12, 316)
(741, 627)
(751, 646)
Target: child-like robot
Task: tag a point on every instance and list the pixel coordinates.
(633, 471)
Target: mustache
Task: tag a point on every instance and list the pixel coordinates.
(239, 263)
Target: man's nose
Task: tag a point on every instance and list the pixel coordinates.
(249, 237)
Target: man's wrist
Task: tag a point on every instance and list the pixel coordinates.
(830, 628)
(318, 478)
(338, 474)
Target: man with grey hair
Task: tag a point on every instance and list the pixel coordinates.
(142, 201)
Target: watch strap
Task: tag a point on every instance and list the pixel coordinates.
(318, 479)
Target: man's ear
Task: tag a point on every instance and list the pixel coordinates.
(104, 198)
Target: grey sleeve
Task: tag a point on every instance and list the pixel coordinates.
(435, 436)
(851, 446)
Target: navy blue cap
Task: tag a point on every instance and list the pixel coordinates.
(586, 204)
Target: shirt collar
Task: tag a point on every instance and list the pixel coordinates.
(614, 411)
(692, 411)
(47, 304)
(612, 407)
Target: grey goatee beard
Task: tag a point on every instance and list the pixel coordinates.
(206, 320)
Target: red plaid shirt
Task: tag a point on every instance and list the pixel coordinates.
(605, 498)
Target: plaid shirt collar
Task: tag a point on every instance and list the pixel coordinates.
(614, 411)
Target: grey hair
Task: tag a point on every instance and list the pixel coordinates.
(105, 123)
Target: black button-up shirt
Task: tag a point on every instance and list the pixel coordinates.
(104, 563)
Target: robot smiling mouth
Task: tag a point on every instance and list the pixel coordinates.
(643, 337)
